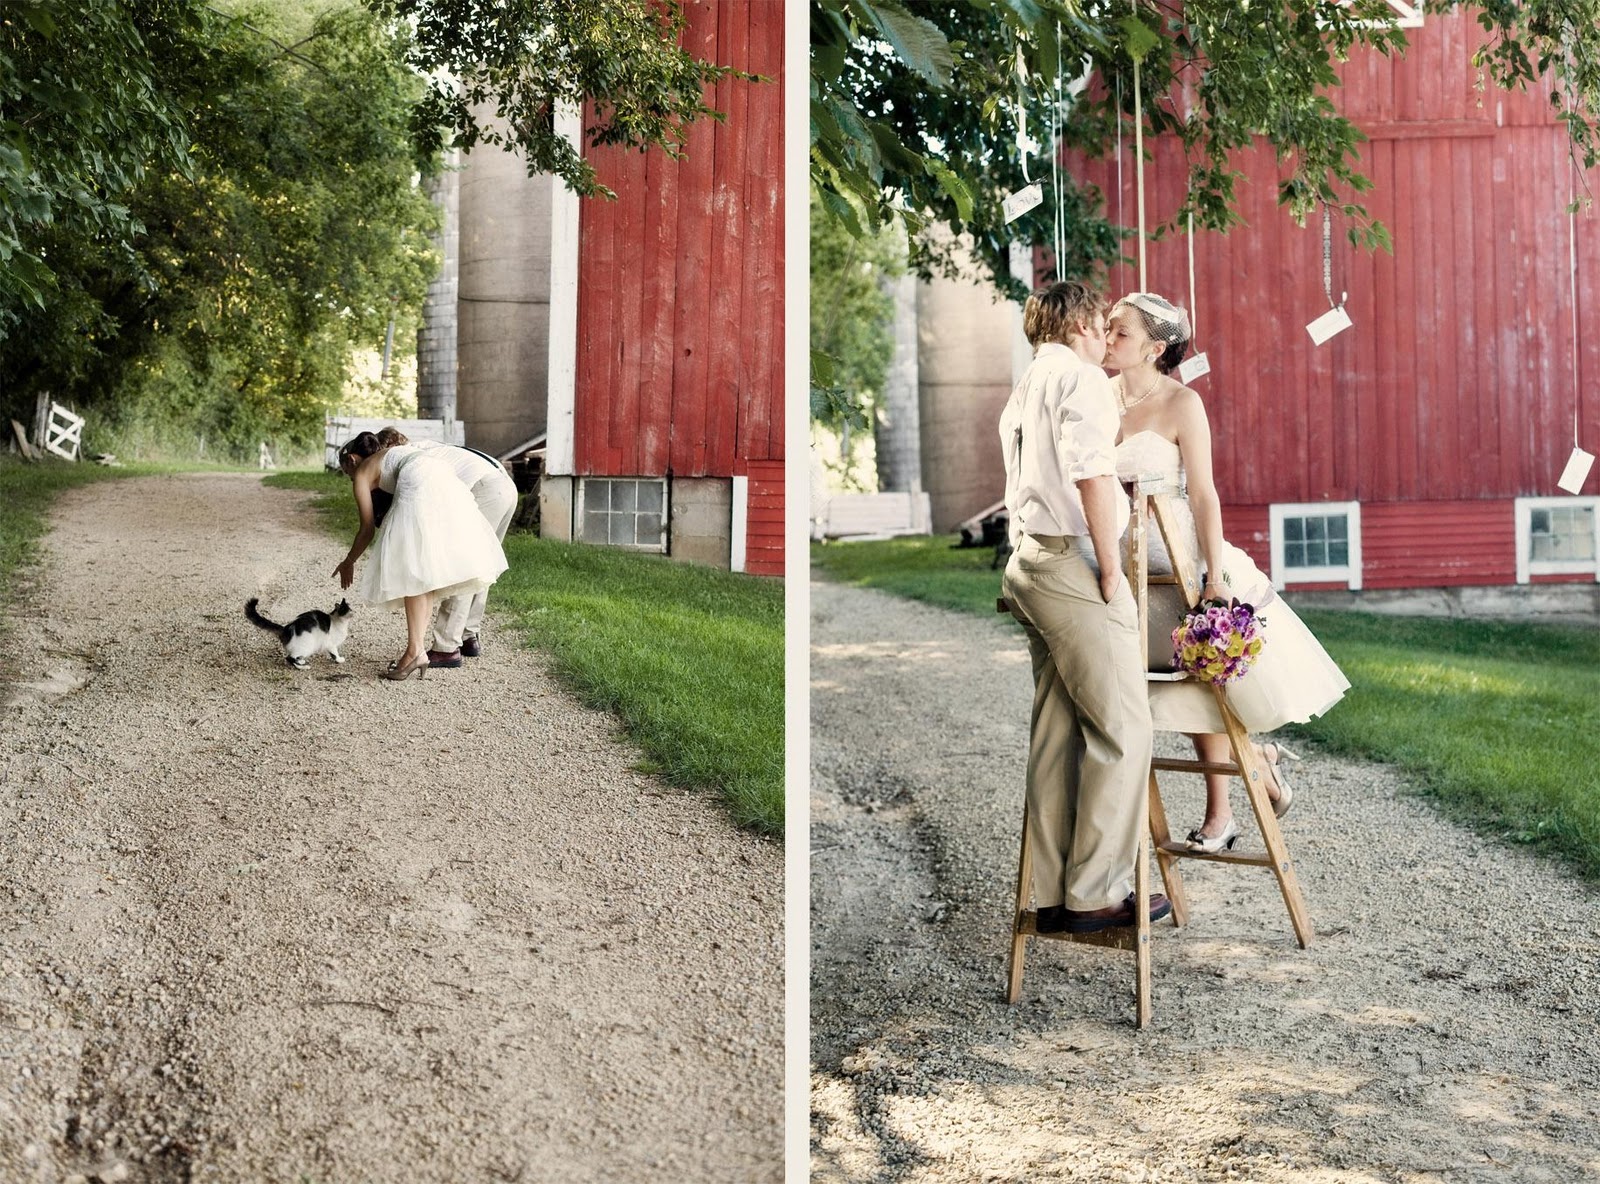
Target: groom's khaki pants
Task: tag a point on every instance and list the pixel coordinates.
(459, 616)
(1089, 749)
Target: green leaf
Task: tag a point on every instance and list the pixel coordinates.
(918, 42)
(1138, 38)
(843, 211)
(954, 186)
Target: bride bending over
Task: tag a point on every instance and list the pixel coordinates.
(1165, 431)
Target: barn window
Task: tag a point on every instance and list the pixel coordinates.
(1407, 14)
(1316, 543)
(1557, 536)
(623, 512)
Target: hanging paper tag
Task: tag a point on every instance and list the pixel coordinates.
(1023, 200)
(1335, 320)
(1577, 471)
(1192, 368)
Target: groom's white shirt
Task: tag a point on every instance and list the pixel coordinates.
(1058, 428)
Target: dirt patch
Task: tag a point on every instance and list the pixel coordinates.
(1439, 1029)
(308, 925)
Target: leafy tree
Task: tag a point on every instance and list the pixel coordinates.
(914, 114)
(206, 207)
(82, 121)
(285, 240)
(527, 57)
(850, 316)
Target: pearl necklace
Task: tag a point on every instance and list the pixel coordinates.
(1149, 390)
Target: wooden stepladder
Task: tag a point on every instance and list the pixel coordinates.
(1153, 500)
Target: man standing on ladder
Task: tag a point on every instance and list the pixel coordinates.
(1089, 747)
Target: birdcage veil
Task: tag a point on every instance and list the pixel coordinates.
(1163, 321)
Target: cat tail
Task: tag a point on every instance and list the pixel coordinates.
(256, 618)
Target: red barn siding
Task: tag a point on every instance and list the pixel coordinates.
(1438, 544)
(680, 294)
(1454, 391)
(1248, 528)
(1457, 378)
(763, 547)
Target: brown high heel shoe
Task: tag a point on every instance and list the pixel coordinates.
(418, 664)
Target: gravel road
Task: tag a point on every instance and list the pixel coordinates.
(1440, 1029)
(307, 925)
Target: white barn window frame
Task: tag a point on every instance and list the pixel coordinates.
(1528, 566)
(1407, 15)
(1348, 573)
(633, 511)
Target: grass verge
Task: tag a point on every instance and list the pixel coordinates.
(1499, 722)
(689, 658)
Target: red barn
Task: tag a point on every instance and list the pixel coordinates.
(665, 417)
(1420, 448)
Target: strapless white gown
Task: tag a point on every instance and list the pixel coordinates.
(1293, 679)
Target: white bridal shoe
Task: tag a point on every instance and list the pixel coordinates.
(1210, 845)
(1285, 790)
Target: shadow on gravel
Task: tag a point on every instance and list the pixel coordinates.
(1436, 1030)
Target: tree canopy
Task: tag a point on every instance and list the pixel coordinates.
(525, 58)
(915, 108)
(207, 207)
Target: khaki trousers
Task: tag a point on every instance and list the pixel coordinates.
(496, 496)
(1089, 747)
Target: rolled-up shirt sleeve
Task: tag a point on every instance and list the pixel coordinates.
(1086, 430)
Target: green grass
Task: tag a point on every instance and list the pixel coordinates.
(926, 569)
(690, 659)
(1498, 722)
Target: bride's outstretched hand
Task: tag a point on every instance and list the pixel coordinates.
(346, 571)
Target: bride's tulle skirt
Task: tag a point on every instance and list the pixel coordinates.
(434, 539)
(1293, 679)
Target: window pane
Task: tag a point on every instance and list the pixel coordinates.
(622, 496)
(596, 495)
(650, 496)
(622, 529)
(1316, 529)
(649, 528)
(1339, 554)
(1294, 530)
(1294, 554)
(1338, 528)
(594, 524)
(1539, 521)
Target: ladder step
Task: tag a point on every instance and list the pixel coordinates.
(1253, 858)
(1125, 937)
(1177, 764)
(1166, 676)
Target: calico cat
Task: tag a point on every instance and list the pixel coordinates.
(309, 634)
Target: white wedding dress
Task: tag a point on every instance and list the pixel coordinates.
(1293, 679)
(433, 539)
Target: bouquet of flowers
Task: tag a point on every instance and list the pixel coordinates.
(1217, 641)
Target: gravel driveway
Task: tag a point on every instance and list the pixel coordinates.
(1441, 1028)
(307, 925)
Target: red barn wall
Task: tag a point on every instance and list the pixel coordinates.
(680, 279)
(764, 531)
(1454, 391)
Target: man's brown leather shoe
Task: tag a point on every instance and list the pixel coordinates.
(1059, 919)
(444, 660)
